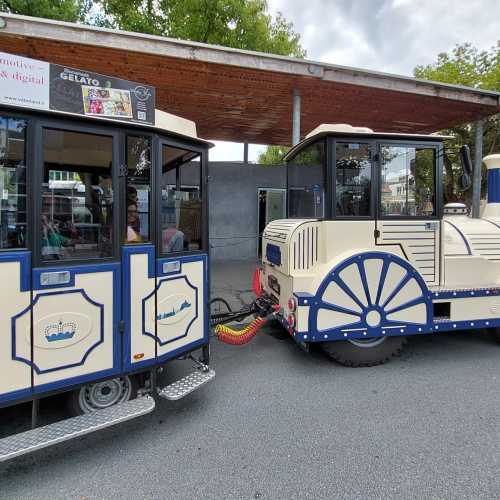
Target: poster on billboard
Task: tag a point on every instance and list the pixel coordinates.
(92, 94)
(40, 85)
(24, 82)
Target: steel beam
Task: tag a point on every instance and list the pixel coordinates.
(478, 161)
(245, 152)
(32, 27)
(296, 118)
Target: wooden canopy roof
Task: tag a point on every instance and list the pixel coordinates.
(243, 96)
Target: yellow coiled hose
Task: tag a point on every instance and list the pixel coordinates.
(231, 336)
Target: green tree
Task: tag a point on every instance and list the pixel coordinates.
(273, 155)
(62, 10)
(466, 65)
(242, 24)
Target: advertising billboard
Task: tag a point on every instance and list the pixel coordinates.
(40, 85)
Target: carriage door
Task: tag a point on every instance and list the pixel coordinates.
(15, 259)
(408, 213)
(76, 303)
(138, 254)
(181, 265)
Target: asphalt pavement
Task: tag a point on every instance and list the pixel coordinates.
(279, 423)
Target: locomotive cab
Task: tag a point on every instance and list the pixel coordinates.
(366, 257)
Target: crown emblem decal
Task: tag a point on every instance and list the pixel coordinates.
(60, 331)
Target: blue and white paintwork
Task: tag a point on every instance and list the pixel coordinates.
(367, 295)
(66, 334)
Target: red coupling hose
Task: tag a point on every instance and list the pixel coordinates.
(239, 337)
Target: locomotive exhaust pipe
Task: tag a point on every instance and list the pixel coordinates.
(492, 163)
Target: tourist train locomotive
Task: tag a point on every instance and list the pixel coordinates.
(369, 253)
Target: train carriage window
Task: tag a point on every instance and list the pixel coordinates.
(180, 213)
(408, 186)
(306, 182)
(77, 196)
(353, 179)
(138, 189)
(13, 218)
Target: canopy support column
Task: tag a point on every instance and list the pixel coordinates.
(296, 118)
(245, 152)
(476, 179)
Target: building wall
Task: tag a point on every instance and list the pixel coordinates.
(233, 205)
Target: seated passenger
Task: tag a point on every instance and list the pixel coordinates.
(53, 242)
(172, 240)
(133, 235)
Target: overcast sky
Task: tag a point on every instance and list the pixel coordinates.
(384, 35)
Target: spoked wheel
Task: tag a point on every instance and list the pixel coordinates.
(371, 301)
(93, 397)
(364, 352)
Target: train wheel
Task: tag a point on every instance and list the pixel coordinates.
(373, 294)
(364, 352)
(93, 397)
(495, 332)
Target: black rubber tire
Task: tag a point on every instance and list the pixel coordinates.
(74, 407)
(495, 332)
(276, 330)
(349, 354)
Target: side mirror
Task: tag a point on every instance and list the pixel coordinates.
(464, 182)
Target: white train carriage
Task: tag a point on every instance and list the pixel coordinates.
(366, 257)
(103, 263)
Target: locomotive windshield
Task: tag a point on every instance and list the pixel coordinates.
(407, 178)
(306, 182)
(369, 178)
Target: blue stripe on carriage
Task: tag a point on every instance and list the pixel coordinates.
(7, 397)
(117, 365)
(75, 381)
(441, 326)
(464, 239)
(206, 297)
(160, 272)
(127, 252)
(304, 298)
(24, 258)
(494, 185)
(460, 294)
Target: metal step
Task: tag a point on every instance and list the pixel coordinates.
(42, 437)
(186, 385)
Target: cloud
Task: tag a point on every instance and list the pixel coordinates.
(389, 35)
(382, 35)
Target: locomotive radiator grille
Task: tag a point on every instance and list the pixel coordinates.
(485, 244)
(304, 248)
(420, 241)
